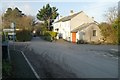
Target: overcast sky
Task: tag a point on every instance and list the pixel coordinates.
(92, 8)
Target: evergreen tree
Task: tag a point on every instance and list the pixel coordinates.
(47, 14)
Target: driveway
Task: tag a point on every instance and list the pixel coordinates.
(83, 60)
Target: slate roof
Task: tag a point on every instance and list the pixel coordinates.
(83, 26)
(66, 18)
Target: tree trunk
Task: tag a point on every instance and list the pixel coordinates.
(48, 24)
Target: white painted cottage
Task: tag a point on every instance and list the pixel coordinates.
(77, 26)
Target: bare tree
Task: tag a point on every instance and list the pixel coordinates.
(111, 14)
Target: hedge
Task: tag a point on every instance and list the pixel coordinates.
(52, 34)
(49, 35)
(23, 35)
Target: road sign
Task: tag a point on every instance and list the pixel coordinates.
(8, 30)
(11, 33)
(13, 25)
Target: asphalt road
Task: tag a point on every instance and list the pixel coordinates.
(21, 69)
(84, 60)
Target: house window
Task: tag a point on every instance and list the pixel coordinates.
(94, 32)
(57, 29)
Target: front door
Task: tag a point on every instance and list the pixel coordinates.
(73, 37)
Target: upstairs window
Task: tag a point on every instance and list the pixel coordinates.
(57, 29)
(94, 33)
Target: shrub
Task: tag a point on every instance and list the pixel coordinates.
(49, 35)
(52, 34)
(24, 35)
(48, 38)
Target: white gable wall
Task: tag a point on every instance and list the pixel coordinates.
(66, 30)
(56, 26)
(88, 36)
(79, 20)
(89, 33)
(59, 27)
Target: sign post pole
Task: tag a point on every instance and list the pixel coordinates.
(13, 27)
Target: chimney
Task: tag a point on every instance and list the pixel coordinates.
(93, 18)
(71, 12)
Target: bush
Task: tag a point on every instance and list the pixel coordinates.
(48, 38)
(49, 35)
(52, 34)
(24, 35)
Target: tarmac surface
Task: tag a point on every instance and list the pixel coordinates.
(83, 60)
(62, 59)
(21, 69)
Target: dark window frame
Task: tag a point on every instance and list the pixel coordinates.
(94, 32)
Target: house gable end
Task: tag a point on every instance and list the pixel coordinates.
(80, 19)
(67, 18)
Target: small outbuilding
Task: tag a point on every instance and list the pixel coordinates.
(88, 32)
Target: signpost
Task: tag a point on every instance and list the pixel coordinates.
(10, 32)
(13, 27)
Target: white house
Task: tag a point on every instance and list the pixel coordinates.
(77, 26)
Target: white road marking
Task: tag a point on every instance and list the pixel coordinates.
(115, 50)
(104, 55)
(35, 73)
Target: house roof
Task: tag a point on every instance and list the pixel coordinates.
(83, 26)
(66, 18)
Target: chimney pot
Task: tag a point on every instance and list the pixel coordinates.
(92, 17)
(71, 12)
